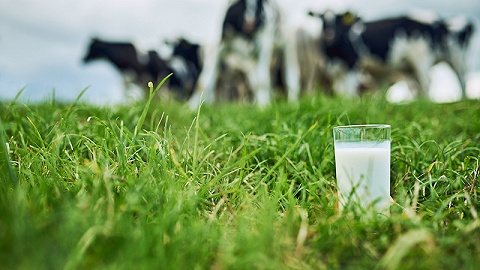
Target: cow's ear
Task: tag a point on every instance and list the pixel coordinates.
(312, 13)
(349, 18)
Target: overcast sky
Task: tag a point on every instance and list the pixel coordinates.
(42, 42)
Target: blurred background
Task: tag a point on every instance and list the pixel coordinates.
(42, 43)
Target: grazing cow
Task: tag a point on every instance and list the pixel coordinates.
(383, 47)
(141, 69)
(126, 59)
(251, 33)
(122, 55)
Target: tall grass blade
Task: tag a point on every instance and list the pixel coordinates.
(17, 96)
(149, 101)
(75, 102)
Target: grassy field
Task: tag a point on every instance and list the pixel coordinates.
(232, 187)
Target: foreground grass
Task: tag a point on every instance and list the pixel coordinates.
(232, 187)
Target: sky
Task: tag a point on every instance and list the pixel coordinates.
(42, 42)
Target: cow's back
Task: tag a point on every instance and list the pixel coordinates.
(380, 35)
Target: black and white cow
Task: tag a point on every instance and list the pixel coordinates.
(122, 55)
(186, 62)
(139, 69)
(252, 32)
(157, 69)
(384, 47)
(136, 69)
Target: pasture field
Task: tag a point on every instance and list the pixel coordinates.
(232, 187)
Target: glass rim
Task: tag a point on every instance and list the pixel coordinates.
(363, 126)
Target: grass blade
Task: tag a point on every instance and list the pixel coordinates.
(149, 101)
(6, 168)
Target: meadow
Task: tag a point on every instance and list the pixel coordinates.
(153, 185)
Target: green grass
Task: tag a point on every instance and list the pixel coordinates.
(232, 187)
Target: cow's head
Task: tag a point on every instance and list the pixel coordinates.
(461, 29)
(253, 17)
(336, 27)
(244, 17)
(185, 48)
(93, 50)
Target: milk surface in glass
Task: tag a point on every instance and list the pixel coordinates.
(363, 174)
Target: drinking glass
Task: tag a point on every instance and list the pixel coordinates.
(362, 163)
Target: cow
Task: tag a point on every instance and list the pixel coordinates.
(186, 60)
(157, 69)
(384, 48)
(252, 31)
(139, 69)
(122, 55)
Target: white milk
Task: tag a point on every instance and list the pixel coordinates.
(363, 174)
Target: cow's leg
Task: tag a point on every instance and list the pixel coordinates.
(291, 68)
(310, 63)
(205, 88)
(456, 60)
(133, 89)
(352, 81)
(346, 83)
(260, 78)
(421, 66)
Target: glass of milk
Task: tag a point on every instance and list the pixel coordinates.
(362, 162)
